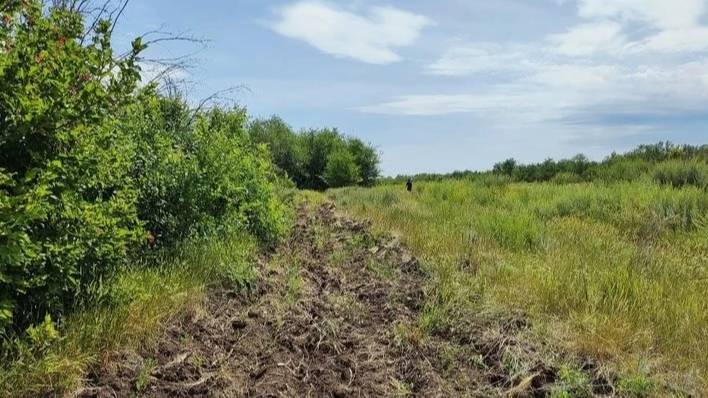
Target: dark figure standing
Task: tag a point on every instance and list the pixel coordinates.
(409, 185)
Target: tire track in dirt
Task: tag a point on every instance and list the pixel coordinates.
(335, 314)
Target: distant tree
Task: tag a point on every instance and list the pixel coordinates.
(286, 151)
(506, 167)
(318, 145)
(304, 157)
(366, 159)
(341, 169)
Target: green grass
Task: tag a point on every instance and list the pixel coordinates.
(616, 271)
(141, 301)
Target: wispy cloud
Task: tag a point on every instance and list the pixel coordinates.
(474, 58)
(371, 37)
(622, 57)
(589, 39)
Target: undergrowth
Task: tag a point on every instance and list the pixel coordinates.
(140, 302)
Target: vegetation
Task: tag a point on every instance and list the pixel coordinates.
(317, 159)
(675, 165)
(103, 185)
(120, 206)
(613, 270)
(666, 163)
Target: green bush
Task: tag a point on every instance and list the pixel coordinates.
(92, 167)
(199, 172)
(341, 169)
(67, 213)
(679, 173)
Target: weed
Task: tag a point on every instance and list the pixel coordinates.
(143, 378)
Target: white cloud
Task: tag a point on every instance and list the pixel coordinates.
(370, 38)
(675, 25)
(623, 56)
(589, 39)
(664, 14)
(151, 71)
(479, 57)
(556, 92)
(687, 40)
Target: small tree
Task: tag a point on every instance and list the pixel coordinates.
(506, 167)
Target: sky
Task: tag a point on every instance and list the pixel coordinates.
(447, 85)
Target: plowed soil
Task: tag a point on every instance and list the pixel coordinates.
(336, 313)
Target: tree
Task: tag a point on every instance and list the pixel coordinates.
(318, 145)
(341, 169)
(283, 144)
(366, 159)
(506, 167)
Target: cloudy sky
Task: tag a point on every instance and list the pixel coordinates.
(454, 84)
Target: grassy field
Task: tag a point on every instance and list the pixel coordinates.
(618, 271)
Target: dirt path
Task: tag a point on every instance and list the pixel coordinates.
(335, 315)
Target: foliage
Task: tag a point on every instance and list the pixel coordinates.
(92, 167)
(665, 163)
(679, 173)
(67, 209)
(200, 172)
(366, 159)
(305, 157)
(285, 148)
(341, 169)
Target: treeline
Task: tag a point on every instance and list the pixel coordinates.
(664, 162)
(317, 158)
(95, 169)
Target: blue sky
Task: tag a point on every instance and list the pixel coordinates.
(452, 84)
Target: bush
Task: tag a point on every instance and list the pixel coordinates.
(88, 162)
(285, 148)
(679, 173)
(621, 169)
(67, 213)
(199, 172)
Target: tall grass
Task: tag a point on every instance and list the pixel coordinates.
(619, 271)
(140, 302)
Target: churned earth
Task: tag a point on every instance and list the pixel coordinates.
(336, 313)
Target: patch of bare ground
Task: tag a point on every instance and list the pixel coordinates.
(335, 314)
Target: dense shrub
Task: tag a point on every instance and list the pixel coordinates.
(67, 213)
(92, 167)
(617, 169)
(199, 172)
(286, 150)
(305, 157)
(566, 178)
(683, 166)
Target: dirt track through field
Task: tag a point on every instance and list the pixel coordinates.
(335, 314)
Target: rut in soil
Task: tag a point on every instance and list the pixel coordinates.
(335, 314)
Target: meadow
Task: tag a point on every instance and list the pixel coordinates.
(614, 271)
